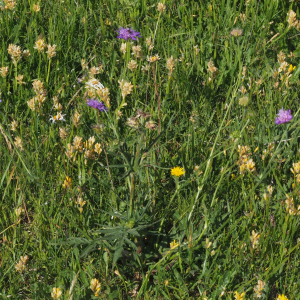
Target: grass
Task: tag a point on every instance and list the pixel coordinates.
(88, 202)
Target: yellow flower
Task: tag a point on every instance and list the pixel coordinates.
(292, 68)
(36, 7)
(282, 297)
(174, 245)
(95, 286)
(177, 171)
(40, 45)
(254, 239)
(67, 183)
(56, 293)
(238, 296)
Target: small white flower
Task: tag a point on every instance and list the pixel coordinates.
(58, 117)
(95, 84)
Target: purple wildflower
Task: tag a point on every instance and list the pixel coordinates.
(96, 104)
(128, 33)
(284, 116)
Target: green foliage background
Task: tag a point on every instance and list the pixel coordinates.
(134, 207)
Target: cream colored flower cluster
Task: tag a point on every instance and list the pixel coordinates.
(292, 19)
(254, 239)
(170, 65)
(296, 171)
(21, 265)
(212, 70)
(89, 147)
(258, 289)
(245, 162)
(40, 97)
(126, 87)
(9, 4)
(16, 54)
(40, 46)
(290, 206)
(94, 88)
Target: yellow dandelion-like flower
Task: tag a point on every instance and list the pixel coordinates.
(177, 171)
(174, 245)
(292, 68)
(238, 296)
(282, 297)
(67, 183)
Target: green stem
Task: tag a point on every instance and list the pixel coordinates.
(131, 195)
(48, 71)
(40, 60)
(15, 81)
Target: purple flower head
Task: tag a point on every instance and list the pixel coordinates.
(128, 33)
(284, 116)
(96, 104)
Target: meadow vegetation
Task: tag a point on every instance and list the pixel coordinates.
(149, 150)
